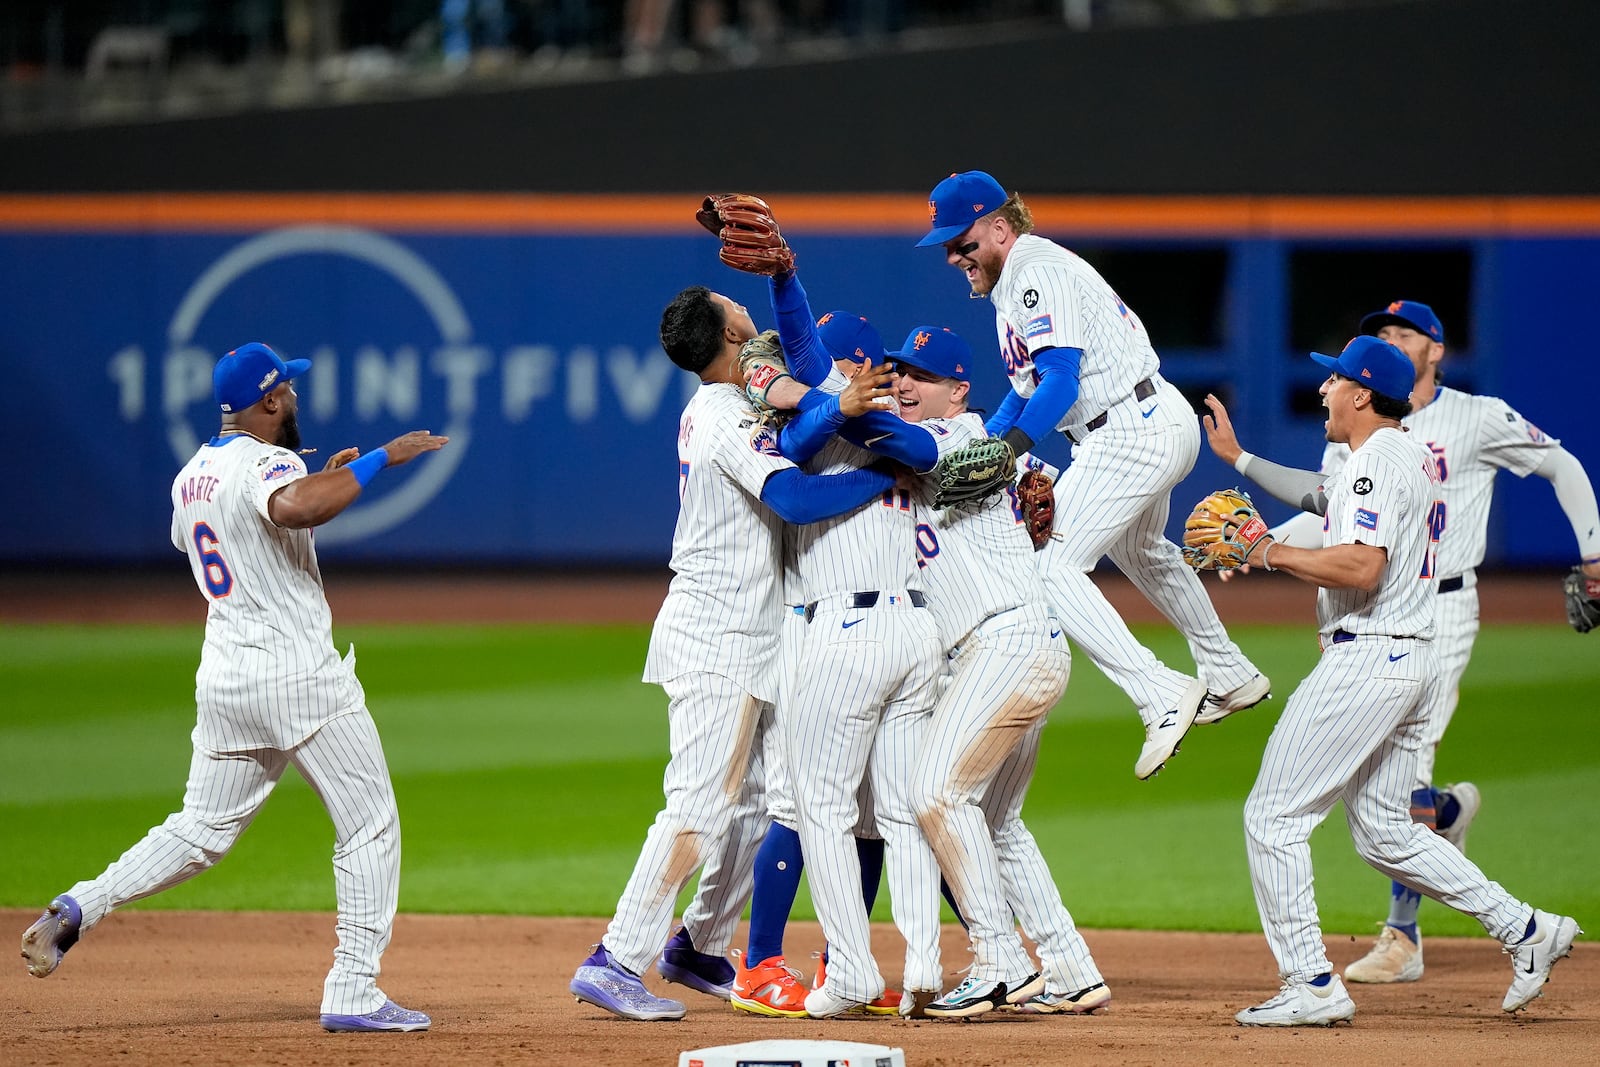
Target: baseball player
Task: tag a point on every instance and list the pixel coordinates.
(714, 647)
(1081, 362)
(1471, 438)
(270, 691)
(765, 984)
(1008, 665)
(983, 607)
(1353, 729)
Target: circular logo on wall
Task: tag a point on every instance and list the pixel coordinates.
(416, 277)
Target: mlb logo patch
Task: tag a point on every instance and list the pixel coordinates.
(1037, 325)
(1366, 519)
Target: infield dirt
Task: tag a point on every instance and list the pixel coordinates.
(181, 988)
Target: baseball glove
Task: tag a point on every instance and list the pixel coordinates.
(1221, 531)
(974, 471)
(749, 234)
(1583, 600)
(1036, 496)
(762, 365)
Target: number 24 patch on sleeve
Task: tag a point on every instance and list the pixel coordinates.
(1366, 518)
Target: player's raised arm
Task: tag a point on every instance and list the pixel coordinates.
(1295, 487)
(317, 498)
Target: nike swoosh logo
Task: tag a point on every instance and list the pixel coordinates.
(1397, 659)
(847, 625)
(869, 442)
(1152, 411)
(1054, 634)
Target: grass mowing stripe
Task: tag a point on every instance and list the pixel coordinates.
(528, 762)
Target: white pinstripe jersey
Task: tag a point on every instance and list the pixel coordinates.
(269, 676)
(1385, 496)
(1471, 438)
(1047, 297)
(977, 559)
(872, 547)
(722, 609)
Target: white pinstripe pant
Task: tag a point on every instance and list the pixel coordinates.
(1113, 500)
(713, 776)
(1007, 675)
(343, 762)
(1350, 732)
(862, 700)
(1456, 629)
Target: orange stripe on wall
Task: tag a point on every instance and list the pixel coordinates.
(871, 213)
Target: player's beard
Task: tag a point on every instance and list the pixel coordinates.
(983, 282)
(289, 432)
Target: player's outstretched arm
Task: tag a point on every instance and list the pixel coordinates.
(1295, 487)
(316, 498)
(1348, 566)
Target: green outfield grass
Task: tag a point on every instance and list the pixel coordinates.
(528, 764)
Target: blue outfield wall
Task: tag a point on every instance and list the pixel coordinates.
(538, 355)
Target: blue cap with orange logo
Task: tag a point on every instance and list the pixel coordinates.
(1378, 365)
(959, 201)
(937, 350)
(248, 373)
(1419, 317)
(849, 336)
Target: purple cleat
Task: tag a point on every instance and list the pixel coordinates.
(605, 983)
(47, 940)
(680, 963)
(391, 1018)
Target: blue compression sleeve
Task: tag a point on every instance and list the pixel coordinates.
(888, 434)
(1005, 415)
(819, 419)
(777, 881)
(800, 498)
(803, 350)
(1057, 391)
(366, 467)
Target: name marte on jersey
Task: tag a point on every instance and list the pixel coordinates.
(198, 489)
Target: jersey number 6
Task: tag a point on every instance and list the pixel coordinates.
(219, 580)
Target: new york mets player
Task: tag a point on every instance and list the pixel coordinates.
(714, 647)
(1353, 730)
(1081, 362)
(1472, 438)
(1008, 666)
(863, 694)
(270, 691)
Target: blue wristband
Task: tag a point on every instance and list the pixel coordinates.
(364, 467)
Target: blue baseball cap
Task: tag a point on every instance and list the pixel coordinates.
(849, 336)
(248, 373)
(1378, 365)
(937, 350)
(959, 201)
(1419, 317)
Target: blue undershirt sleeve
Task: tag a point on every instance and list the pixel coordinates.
(805, 434)
(800, 498)
(803, 350)
(888, 434)
(1005, 416)
(1057, 391)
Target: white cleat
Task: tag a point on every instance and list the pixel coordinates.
(1471, 800)
(1302, 1004)
(1216, 708)
(1531, 960)
(821, 1003)
(1163, 735)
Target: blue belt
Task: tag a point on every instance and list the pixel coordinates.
(870, 600)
